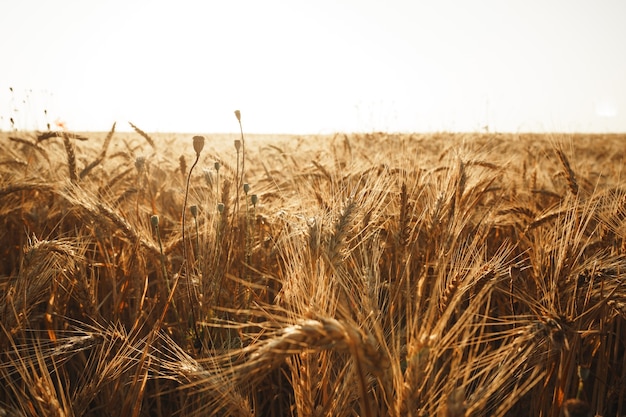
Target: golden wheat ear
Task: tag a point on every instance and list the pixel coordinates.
(572, 183)
(144, 135)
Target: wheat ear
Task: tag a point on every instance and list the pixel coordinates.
(100, 158)
(71, 157)
(571, 177)
(143, 135)
(322, 333)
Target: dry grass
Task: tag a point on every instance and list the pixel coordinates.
(371, 275)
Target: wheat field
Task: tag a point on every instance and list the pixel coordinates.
(346, 275)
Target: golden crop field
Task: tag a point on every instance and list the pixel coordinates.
(370, 275)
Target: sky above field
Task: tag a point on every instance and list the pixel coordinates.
(314, 66)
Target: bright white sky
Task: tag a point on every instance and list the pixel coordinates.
(315, 66)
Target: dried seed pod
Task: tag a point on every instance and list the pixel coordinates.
(198, 144)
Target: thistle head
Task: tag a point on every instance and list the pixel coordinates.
(254, 199)
(220, 207)
(154, 220)
(217, 166)
(198, 144)
(194, 211)
(246, 188)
